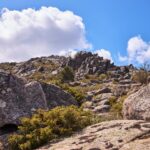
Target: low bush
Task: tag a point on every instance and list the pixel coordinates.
(47, 125)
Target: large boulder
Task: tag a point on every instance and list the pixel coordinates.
(137, 105)
(19, 98)
(55, 96)
(113, 135)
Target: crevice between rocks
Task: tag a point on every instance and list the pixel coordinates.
(8, 128)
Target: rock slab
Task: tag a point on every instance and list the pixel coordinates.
(112, 135)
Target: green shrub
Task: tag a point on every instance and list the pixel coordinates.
(77, 94)
(67, 74)
(47, 125)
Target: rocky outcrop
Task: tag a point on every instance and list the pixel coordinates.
(20, 98)
(113, 135)
(137, 105)
(41, 64)
(88, 63)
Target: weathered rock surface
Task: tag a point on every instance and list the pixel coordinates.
(141, 144)
(41, 64)
(137, 105)
(55, 96)
(112, 135)
(20, 98)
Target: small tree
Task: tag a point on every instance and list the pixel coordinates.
(67, 74)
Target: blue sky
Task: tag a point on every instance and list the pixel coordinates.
(109, 24)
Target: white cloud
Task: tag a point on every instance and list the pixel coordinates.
(69, 53)
(122, 58)
(31, 33)
(105, 54)
(138, 51)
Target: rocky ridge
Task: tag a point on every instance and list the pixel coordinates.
(83, 63)
(88, 63)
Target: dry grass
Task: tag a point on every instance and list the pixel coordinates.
(86, 89)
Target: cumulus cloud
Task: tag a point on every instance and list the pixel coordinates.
(32, 33)
(105, 54)
(138, 51)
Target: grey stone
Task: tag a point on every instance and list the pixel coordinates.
(101, 108)
(55, 96)
(103, 90)
(137, 105)
(20, 100)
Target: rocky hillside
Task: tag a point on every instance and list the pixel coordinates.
(95, 84)
(97, 81)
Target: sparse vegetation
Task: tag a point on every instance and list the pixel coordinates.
(116, 106)
(95, 77)
(142, 74)
(112, 100)
(47, 125)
